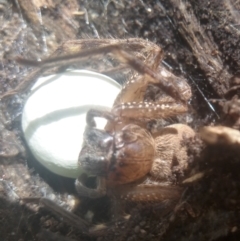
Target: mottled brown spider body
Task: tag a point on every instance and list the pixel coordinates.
(130, 161)
(126, 152)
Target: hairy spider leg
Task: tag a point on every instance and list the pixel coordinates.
(71, 218)
(142, 112)
(141, 193)
(145, 110)
(140, 48)
(166, 84)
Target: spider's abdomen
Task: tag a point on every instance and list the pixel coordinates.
(171, 151)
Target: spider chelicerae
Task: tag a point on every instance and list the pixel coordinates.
(130, 160)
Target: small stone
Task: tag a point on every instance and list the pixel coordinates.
(136, 229)
(142, 223)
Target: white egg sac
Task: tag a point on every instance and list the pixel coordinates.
(54, 116)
